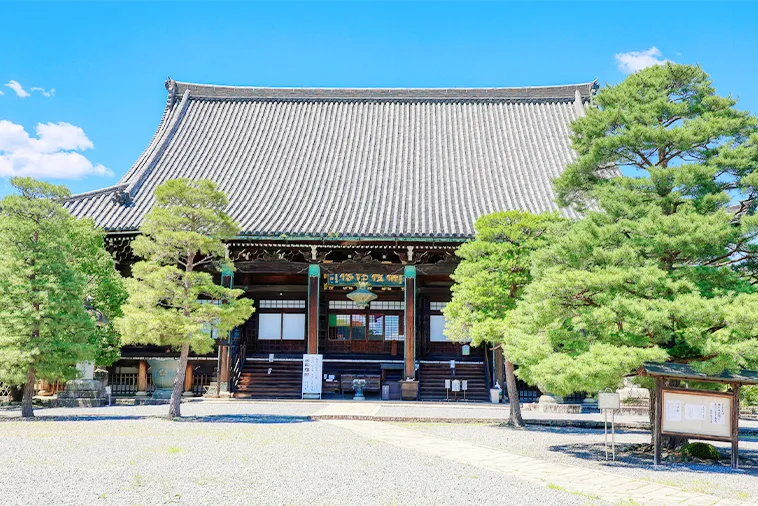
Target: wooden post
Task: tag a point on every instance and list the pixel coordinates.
(223, 373)
(735, 425)
(410, 321)
(314, 285)
(499, 367)
(142, 379)
(658, 421)
(189, 381)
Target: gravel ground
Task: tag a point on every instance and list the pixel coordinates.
(122, 456)
(583, 447)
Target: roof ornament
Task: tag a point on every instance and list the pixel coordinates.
(170, 85)
(122, 198)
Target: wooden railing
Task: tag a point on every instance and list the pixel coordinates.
(125, 384)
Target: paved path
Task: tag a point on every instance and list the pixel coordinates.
(583, 481)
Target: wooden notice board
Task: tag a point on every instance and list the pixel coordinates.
(697, 413)
(702, 414)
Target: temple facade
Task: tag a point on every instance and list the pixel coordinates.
(337, 189)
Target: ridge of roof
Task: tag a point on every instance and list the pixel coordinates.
(211, 91)
(116, 188)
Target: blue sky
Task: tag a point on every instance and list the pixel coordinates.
(107, 62)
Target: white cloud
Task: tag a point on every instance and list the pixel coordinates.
(16, 86)
(637, 60)
(52, 154)
(44, 92)
(2, 92)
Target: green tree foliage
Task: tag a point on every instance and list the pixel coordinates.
(44, 327)
(168, 295)
(491, 277)
(105, 291)
(660, 268)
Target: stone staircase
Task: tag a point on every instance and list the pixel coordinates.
(432, 378)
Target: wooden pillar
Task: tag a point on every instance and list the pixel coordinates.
(499, 366)
(658, 425)
(735, 425)
(142, 379)
(224, 348)
(410, 321)
(189, 380)
(314, 285)
(223, 372)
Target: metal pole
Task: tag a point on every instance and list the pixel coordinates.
(605, 431)
(613, 433)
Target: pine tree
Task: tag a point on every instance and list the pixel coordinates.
(491, 277)
(44, 327)
(167, 293)
(661, 268)
(105, 291)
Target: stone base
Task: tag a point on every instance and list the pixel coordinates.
(571, 409)
(162, 393)
(82, 393)
(188, 394)
(550, 399)
(635, 410)
(97, 402)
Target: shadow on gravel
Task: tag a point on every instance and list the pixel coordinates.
(626, 457)
(253, 419)
(556, 429)
(244, 419)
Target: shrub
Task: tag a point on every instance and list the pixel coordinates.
(703, 451)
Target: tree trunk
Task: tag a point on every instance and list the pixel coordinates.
(667, 442)
(175, 407)
(27, 410)
(513, 396)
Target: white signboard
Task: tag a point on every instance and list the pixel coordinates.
(313, 366)
(608, 400)
(456, 386)
(698, 413)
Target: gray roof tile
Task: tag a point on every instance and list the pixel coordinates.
(354, 162)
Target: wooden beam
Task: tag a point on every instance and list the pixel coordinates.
(272, 288)
(284, 267)
(314, 285)
(410, 321)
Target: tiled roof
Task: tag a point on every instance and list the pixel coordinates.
(357, 163)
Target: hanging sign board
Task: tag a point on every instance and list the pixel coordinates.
(351, 278)
(697, 413)
(313, 366)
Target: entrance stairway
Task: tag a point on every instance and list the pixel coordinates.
(432, 381)
(283, 381)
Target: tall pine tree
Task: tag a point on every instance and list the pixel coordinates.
(45, 329)
(168, 295)
(660, 269)
(490, 279)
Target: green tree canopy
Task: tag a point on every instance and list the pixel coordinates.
(491, 277)
(658, 269)
(45, 277)
(169, 297)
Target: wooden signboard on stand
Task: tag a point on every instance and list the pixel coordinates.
(696, 414)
